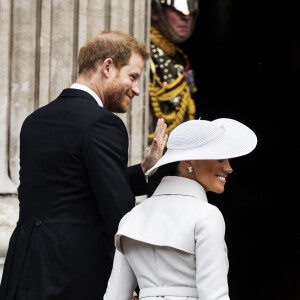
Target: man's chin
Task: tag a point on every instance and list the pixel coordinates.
(183, 33)
(125, 105)
(119, 106)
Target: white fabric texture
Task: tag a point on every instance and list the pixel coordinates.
(82, 87)
(173, 240)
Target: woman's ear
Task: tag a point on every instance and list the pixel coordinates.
(186, 163)
(184, 169)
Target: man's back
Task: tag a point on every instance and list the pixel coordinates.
(60, 249)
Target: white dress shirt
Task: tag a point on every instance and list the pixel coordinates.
(172, 245)
(88, 90)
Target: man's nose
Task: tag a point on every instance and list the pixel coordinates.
(135, 88)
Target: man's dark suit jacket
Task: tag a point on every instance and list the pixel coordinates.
(74, 188)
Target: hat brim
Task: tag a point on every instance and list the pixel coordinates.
(237, 140)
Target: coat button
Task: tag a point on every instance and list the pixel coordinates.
(38, 222)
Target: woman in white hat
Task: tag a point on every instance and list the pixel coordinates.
(172, 244)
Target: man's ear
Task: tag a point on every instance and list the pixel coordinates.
(106, 66)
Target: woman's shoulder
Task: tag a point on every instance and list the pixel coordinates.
(168, 220)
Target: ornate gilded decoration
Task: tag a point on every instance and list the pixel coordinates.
(170, 96)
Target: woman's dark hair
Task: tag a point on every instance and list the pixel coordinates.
(154, 180)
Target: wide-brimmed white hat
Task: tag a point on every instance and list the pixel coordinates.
(201, 139)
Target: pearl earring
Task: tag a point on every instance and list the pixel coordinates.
(190, 169)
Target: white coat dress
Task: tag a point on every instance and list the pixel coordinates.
(172, 245)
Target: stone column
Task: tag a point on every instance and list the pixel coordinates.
(40, 40)
(6, 184)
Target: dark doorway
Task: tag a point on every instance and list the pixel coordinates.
(246, 58)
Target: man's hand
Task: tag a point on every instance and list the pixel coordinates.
(157, 147)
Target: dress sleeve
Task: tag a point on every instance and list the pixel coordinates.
(137, 180)
(211, 255)
(122, 281)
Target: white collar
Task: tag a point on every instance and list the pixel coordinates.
(164, 211)
(82, 87)
(176, 185)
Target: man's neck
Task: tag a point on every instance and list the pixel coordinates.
(85, 86)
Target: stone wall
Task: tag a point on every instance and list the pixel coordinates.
(39, 46)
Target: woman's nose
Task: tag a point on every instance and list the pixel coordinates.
(227, 167)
